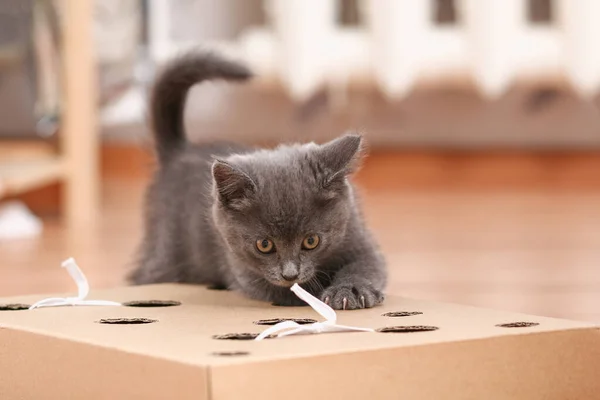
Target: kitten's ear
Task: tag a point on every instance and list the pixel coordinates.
(232, 186)
(342, 156)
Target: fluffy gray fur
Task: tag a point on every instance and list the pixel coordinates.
(209, 205)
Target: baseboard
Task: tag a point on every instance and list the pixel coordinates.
(393, 170)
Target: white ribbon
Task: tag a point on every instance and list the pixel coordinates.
(287, 328)
(83, 288)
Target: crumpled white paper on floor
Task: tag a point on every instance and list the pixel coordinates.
(287, 328)
(18, 222)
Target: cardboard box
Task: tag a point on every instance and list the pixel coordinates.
(67, 353)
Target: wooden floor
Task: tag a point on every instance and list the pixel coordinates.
(516, 232)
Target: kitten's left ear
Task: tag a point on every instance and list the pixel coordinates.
(342, 156)
(232, 186)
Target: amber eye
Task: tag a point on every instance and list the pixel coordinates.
(265, 246)
(310, 242)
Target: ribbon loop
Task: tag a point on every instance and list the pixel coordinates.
(83, 289)
(288, 328)
(323, 309)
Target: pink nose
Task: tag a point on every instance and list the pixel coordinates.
(290, 271)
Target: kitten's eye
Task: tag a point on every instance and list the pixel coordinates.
(265, 246)
(310, 242)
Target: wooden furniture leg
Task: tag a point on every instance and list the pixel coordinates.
(79, 132)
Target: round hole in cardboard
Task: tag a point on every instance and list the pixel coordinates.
(236, 336)
(14, 307)
(300, 304)
(518, 324)
(407, 329)
(152, 303)
(126, 321)
(230, 353)
(217, 287)
(397, 314)
(275, 321)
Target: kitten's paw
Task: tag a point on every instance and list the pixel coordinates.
(352, 297)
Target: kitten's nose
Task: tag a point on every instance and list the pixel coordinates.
(290, 271)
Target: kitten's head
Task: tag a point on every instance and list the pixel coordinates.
(282, 212)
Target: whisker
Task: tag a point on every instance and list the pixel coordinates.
(315, 285)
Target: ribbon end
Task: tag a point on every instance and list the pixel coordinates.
(323, 309)
(69, 261)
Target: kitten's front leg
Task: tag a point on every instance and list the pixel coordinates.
(358, 284)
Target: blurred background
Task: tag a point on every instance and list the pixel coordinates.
(482, 116)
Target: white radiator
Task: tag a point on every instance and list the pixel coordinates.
(396, 46)
(400, 46)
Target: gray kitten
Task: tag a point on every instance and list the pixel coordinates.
(253, 220)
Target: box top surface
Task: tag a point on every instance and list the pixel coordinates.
(184, 333)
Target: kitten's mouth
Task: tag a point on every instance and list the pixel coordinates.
(288, 284)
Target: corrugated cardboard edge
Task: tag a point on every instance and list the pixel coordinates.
(34, 365)
(546, 365)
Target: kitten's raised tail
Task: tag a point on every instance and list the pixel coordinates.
(169, 94)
